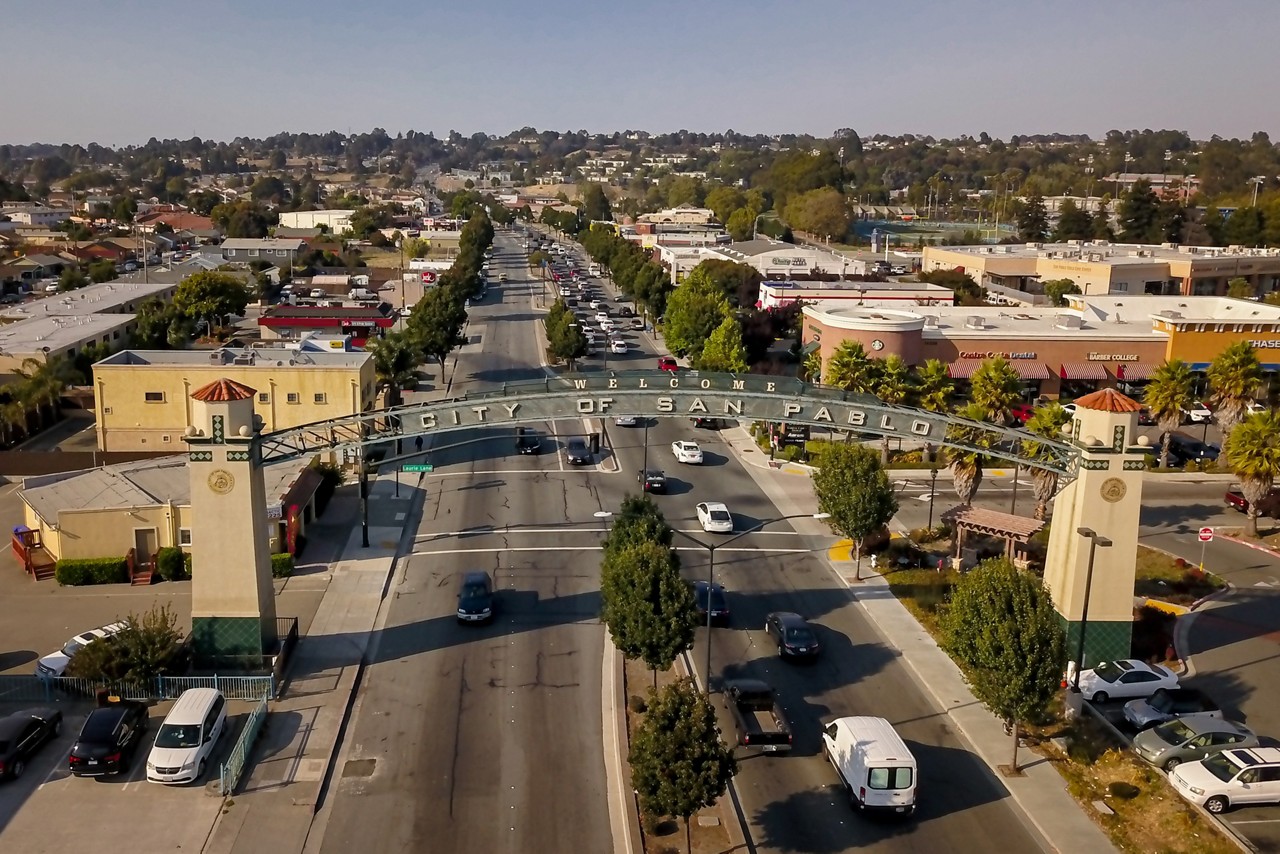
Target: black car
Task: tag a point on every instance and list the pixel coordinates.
(577, 452)
(109, 739)
(22, 734)
(476, 602)
(1184, 449)
(1145, 418)
(652, 480)
(793, 635)
(527, 441)
(626, 311)
(719, 606)
(708, 423)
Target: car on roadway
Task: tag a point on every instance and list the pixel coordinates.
(1268, 506)
(1115, 680)
(652, 480)
(607, 325)
(1184, 449)
(109, 739)
(714, 517)
(687, 452)
(1197, 412)
(597, 303)
(502, 277)
(1253, 407)
(1167, 704)
(710, 598)
(1171, 743)
(666, 363)
(475, 598)
(528, 441)
(637, 323)
(792, 635)
(22, 734)
(577, 452)
(602, 314)
(55, 663)
(703, 422)
(1230, 778)
(564, 291)
(626, 421)
(626, 311)
(1020, 413)
(618, 347)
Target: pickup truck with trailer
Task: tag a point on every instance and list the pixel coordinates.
(757, 715)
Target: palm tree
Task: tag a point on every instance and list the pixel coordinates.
(1047, 421)
(1234, 378)
(933, 390)
(851, 369)
(966, 463)
(1252, 450)
(395, 361)
(1168, 395)
(813, 367)
(895, 386)
(41, 385)
(996, 387)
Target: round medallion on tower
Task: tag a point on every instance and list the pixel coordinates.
(1113, 489)
(221, 481)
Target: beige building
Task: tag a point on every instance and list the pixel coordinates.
(142, 397)
(1101, 268)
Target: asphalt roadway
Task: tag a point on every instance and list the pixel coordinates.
(491, 738)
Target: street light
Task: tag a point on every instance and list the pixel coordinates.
(711, 565)
(1096, 541)
(1257, 181)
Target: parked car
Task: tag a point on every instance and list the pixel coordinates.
(1184, 449)
(528, 441)
(1197, 412)
(1169, 703)
(687, 452)
(187, 738)
(1230, 778)
(1169, 744)
(652, 480)
(710, 598)
(55, 663)
(109, 739)
(666, 363)
(637, 323)
(626, 311)
(1114, 680)
(626, 421)
(1145, 418)
(715, 517)
(576, 451)
(475, 598)
(22, 734)
(1020, 412)
(1268, 506)
(793, 635)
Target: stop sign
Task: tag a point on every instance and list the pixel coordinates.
(1206, 535)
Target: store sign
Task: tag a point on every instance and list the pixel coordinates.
(1272, 344)
(991, 354)
(358, 324)
(779, 261)
(1112, 357)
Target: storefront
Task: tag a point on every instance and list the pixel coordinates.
(359, 322)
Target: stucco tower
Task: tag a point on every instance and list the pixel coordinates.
(232, 599)
(1106, 498)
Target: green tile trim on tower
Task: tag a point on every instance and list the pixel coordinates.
(1104, 641)
(1117, 439)
(219, 431)
(202, 456)
(239, 456)
(1135, 465)
(215, 638)
(1095, 465)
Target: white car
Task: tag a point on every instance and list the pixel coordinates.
(1253, 407)
(1230, 778)
(55, 663)
(1113, 680)
(625, 421)
(687, 452)
(602, 315)
(1197, 412)
(617, 347)
(715, 518)
(596, 303)
(565, 292)
(608, 325)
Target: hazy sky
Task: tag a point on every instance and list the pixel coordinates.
(120, 72)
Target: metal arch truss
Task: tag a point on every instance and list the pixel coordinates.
(778, 400)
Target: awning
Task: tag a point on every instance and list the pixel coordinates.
(962, 369)
(1082, 371)
(1133, 372)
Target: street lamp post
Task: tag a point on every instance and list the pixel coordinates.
(711, 566)
(1096, 540)
(933, 488)
(1257, 181)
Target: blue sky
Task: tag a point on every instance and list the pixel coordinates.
(120, 72)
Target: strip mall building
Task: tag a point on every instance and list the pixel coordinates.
(1095, 342)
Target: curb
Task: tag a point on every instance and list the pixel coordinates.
(1250, 544)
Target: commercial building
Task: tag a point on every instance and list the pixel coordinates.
(143, 397)
(288, 322)
(1095, 342)
(866, 294)
(337, 221)
(1100, 267)
(48, 338)
(773, 259)
(146, 505)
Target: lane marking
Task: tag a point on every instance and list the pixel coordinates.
(423, 552)
(568, 530)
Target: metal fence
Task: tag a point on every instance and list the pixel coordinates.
(39, 689)
(229, 773)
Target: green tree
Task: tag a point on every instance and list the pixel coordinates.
(851, 369)
(647, 607)
(40, 386)
(967, 291)
(1244, 227)
(694, 310)
(895, 385)
(740, 283)
(1074, 223)
(209, 295)
(102, 270)
(1234, 378)
(724, 351)
(436, 322)
(1241, 288)
(855, 490)
(415, 247)
(150, 645)
(1033, 221)
(1252, 450)
(995, 387)
(724, 200)
(1046, 422)
(679, 763)
(741, 223)
(966, 463)
(1139, 214)
(595, 204)
(1167, 397)
(812, 367)
(72, 279)
(566, 341)
(823, 212)
(1057, 289)
(933, 388)
(395, 362)
(638, 520)
(1001, 628)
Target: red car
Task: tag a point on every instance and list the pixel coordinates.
(1021, 413)
(666, 363)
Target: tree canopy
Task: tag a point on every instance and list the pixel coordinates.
(211, 294)
(854, 489)
(694, 311)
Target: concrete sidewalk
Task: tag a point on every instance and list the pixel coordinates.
(1041, 792)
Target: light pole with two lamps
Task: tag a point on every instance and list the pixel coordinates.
(1096, 541)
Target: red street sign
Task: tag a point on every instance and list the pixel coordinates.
(1206, 535)
(428, 277)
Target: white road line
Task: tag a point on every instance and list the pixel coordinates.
(575, 530)
(400, 517)
(424, 552)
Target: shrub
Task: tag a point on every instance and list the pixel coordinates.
(75, 572)
(281, 565)
(637, 704)
(171, 564)
(1122, 790)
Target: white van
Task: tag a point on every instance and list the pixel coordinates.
(188, 736)
(877, 769)
(361, 294)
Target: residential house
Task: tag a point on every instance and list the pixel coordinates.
(270, 249)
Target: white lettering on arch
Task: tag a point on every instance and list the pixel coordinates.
(698, 406)
(586, 406)
(666, 404)
(921, 428)
(733, 407)
(823, 414)
(790, 408)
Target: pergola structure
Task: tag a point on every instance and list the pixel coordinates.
(1014, 530)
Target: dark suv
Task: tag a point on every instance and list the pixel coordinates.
(109, 739)
(1184, 449)
(577, 452)
(476, 602)
(527, 441)
(715, 602)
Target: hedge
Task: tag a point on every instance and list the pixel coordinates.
(281, 565)
(171, 564)
(76, 572)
